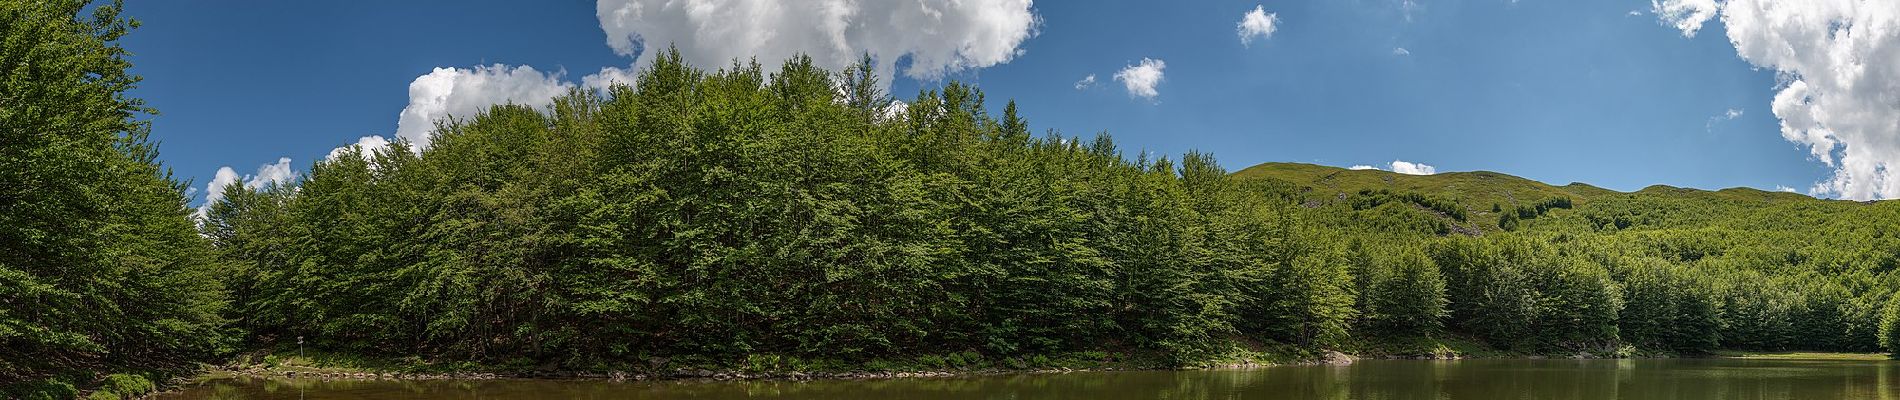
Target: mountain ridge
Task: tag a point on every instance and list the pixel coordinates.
(1329, 176)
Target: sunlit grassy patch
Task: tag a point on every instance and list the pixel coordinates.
(1799, 355)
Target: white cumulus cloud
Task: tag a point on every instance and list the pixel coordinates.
(369, 144)
(1685, 15)
(1257, 24)
(1412, 168)
(464, 92)
(1142, 78)
(279, 172)
(936, 37)
(1403, 167)
(1838, 62)
(607, 77)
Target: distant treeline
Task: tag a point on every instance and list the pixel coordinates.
(716, 216)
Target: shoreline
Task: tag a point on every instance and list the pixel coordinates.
(729, 375)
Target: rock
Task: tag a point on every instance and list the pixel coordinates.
(1336, 358)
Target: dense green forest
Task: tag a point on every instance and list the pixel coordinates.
(101, 268)
(795, 217)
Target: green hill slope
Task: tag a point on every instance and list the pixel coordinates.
(1486, 196)
(1475, 189)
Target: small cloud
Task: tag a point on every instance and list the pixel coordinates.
(369, 145)
(1730, 114)
(604, 80)
(1257, 24)
(270, 173)
(1410, 168)
(1401, 51)
(1685, 15)
(1086, 82)
(895, 110)
(279, 172)
(1142, 78)
(1636, 13)
(1403, 167)
(1780, 188)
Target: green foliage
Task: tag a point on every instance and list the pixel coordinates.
(732, 213)
(1527, 295)
(1890, 326)
(122, 386)
(1370, 198)
(1410, 300)
(127, 385)
(44, 389)
(1309, 297)
(1668, 307)
(101, 268)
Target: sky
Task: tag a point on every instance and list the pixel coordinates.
(1622, 94)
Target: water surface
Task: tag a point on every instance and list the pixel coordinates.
(1370, 379)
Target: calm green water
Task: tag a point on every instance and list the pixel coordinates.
(1372, 379)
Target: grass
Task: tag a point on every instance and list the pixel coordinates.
(1477, 190)
(334, 362)
(1800, 355)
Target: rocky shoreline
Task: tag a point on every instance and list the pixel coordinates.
(684, 374)
(254, 371)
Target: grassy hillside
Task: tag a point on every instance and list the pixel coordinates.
(1477, 188)
(1477, 193)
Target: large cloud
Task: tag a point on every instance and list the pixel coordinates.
(1839, 67)
(937, 36)
(464, 92)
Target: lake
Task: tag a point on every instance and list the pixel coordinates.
(1367, 379)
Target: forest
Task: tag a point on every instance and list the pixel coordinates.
(791, 217)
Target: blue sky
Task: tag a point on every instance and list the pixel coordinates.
(1603, 92)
